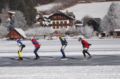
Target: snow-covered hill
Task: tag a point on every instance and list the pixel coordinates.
(96, 9)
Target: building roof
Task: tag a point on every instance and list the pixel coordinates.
(61, 13)
(12, 12)
(21, 32)
(116, 29)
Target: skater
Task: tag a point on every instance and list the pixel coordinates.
(64, 44)
(37, 46)
(86, 46)
(21, 46)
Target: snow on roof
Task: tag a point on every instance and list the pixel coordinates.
(11, 12)
(79, 24)
(46, 16)
(116, 29)
(47, 6)
(62, 13)
(96, 9)
(21, 32)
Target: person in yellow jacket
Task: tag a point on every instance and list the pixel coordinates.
(21, 45)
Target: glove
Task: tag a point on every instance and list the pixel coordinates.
(90, 44)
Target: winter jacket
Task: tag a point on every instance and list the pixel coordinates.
(85, 44)
(63, 41)
(20, 43)
(35, 43)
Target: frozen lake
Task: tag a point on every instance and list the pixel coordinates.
(54, 45)
(105, 63)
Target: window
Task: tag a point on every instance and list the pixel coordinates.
(57, 27)
(61, 23)
(57, 23)
(53, 27)
(55, 17)
(65, 22)
(53, 23)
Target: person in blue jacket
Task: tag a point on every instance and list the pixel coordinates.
(64, 44)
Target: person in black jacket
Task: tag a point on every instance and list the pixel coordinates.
(64, 44)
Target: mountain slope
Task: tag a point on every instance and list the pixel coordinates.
(90, 9)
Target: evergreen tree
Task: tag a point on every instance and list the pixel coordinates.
(25, 6)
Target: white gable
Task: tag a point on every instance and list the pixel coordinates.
(21, 32)
(11, 12)
(116, 29)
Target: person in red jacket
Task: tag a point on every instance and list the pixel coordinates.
(86, 46)
(37, 46)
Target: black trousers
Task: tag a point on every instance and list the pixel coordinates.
(35, 52)
(22, 46)
(62, 51)
(85, 51)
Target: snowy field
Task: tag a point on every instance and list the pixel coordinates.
(104, 64)
(52, 47)
(63, 72)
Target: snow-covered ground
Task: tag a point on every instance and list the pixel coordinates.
(51, 47)
(62, 72)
